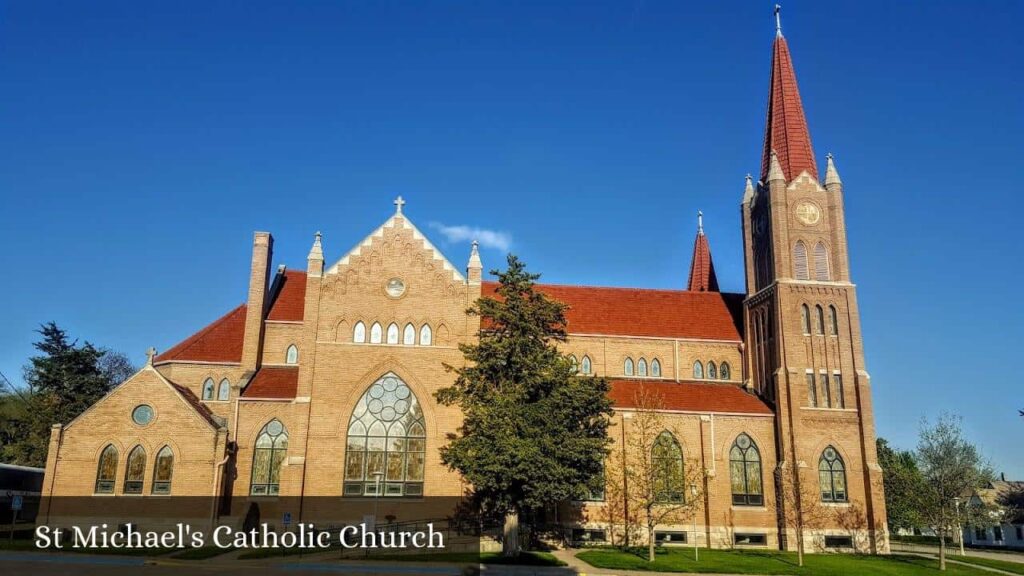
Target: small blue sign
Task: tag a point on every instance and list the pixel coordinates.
(16, 502)
(287, 518)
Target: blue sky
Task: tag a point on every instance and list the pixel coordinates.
(142, 143)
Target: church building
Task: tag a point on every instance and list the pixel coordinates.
(321, 382)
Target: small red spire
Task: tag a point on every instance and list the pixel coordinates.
(786, 128)
(702, 269)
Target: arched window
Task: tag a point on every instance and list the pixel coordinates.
(426, 336)
(409, 335)
(832, 476)
(224, 390)
(135, 471)
(745, 472)
(585, 365)
(820, 262)
(698, 370)
(208, 389)
(656, 368)
(834, 317)
(723, 371)
(641, 367)
(292, 355)
(805, 318)
(359, 333)
(819, 324)
(162, 471)
(392, 333)
(267, 457)
(667, 464)
(386, 442)
(712, 370)
(106, 470)
(800, 261)
(575, 363)
(627, 367)
(376, 333)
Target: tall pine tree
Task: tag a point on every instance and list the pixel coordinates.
(534, 431)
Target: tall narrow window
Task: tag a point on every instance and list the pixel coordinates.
(656, 368)
(819, 324)
(291, 356)
(575, 363)
(724, 372)
(267, 457)
(359, 333)
(837, 382)
(834, 317)
(162, 471)
(426, 336)
(712, 371)
(627, 367)
(745, 472)
(667, 464)
(805, 318)
(800, 261)
(106, 470)
(386, 443)
(641, 367)
(135, 471)
(392, 333)
(826, 391)
(224, 390)
(820, 262)
(832, 476)
(585, 365)
(376, 333)
(812, 391)
(208, 389)
(409, 335)
(698, 370)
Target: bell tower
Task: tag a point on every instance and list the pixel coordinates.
(802, 325)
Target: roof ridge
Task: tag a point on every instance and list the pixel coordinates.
(190, 341)
(626, 288)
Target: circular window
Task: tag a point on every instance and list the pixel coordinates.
(142, 415)
(395, 287)
(274, 428)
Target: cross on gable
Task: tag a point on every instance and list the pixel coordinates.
(399, 202)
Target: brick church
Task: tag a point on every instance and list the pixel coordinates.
(321, 382)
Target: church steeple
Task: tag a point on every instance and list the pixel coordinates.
(702, 269)
(786, 127)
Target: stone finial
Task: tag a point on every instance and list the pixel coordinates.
(317, 251)
(775, 169)
(831, 174)
(475, 266)
(700, 223)
(150, 354)
(399, 202)
(748, 190)
(778, 20)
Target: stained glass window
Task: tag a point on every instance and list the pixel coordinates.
(135, 471)
(832, 476)
(106, 470)
(267, 457)
(745, 472)
(163, 470)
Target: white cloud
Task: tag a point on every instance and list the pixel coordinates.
(487, 238)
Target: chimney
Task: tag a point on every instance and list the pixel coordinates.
(259, 275)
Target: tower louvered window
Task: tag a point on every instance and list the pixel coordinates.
(820, 262)
(800, 261)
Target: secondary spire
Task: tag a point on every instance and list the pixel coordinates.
(702, 269)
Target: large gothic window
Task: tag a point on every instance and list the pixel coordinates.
(135, 471)
(386, 442)
(667, 460)
(800, 261)
(106, 470)
(162, 471)
(832, 476)
(267, 457)
(745, 472)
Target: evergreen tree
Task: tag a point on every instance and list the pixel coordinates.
(534, 431)
(903, 486)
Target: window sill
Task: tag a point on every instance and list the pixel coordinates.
(836, 504)
(761, 508)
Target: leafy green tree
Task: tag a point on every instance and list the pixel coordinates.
(903, 486)
(534, 431)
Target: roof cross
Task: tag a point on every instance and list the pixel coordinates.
(700, 222)
(398, 205)
(150, 353)
(778, 20)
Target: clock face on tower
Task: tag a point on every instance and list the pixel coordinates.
(808, 213)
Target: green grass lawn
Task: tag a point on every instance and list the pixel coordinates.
(30, 546)
(1015, 567)
(524, 559)
(201, 553)
(772, 562)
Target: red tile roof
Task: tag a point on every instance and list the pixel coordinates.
(689, 396)
(196, 404)
(702, 269)
(646, 312)
(289, 297)
(221, 341)
(786, 127)
(273, 382)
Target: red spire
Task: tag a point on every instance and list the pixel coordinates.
(702, 269)
(786, 128)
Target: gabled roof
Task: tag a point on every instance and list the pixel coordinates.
(288, 296)
(277, 382)
(689, 397)
(702, 269)
(221, 341)
(646, 312)
(786, 130)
